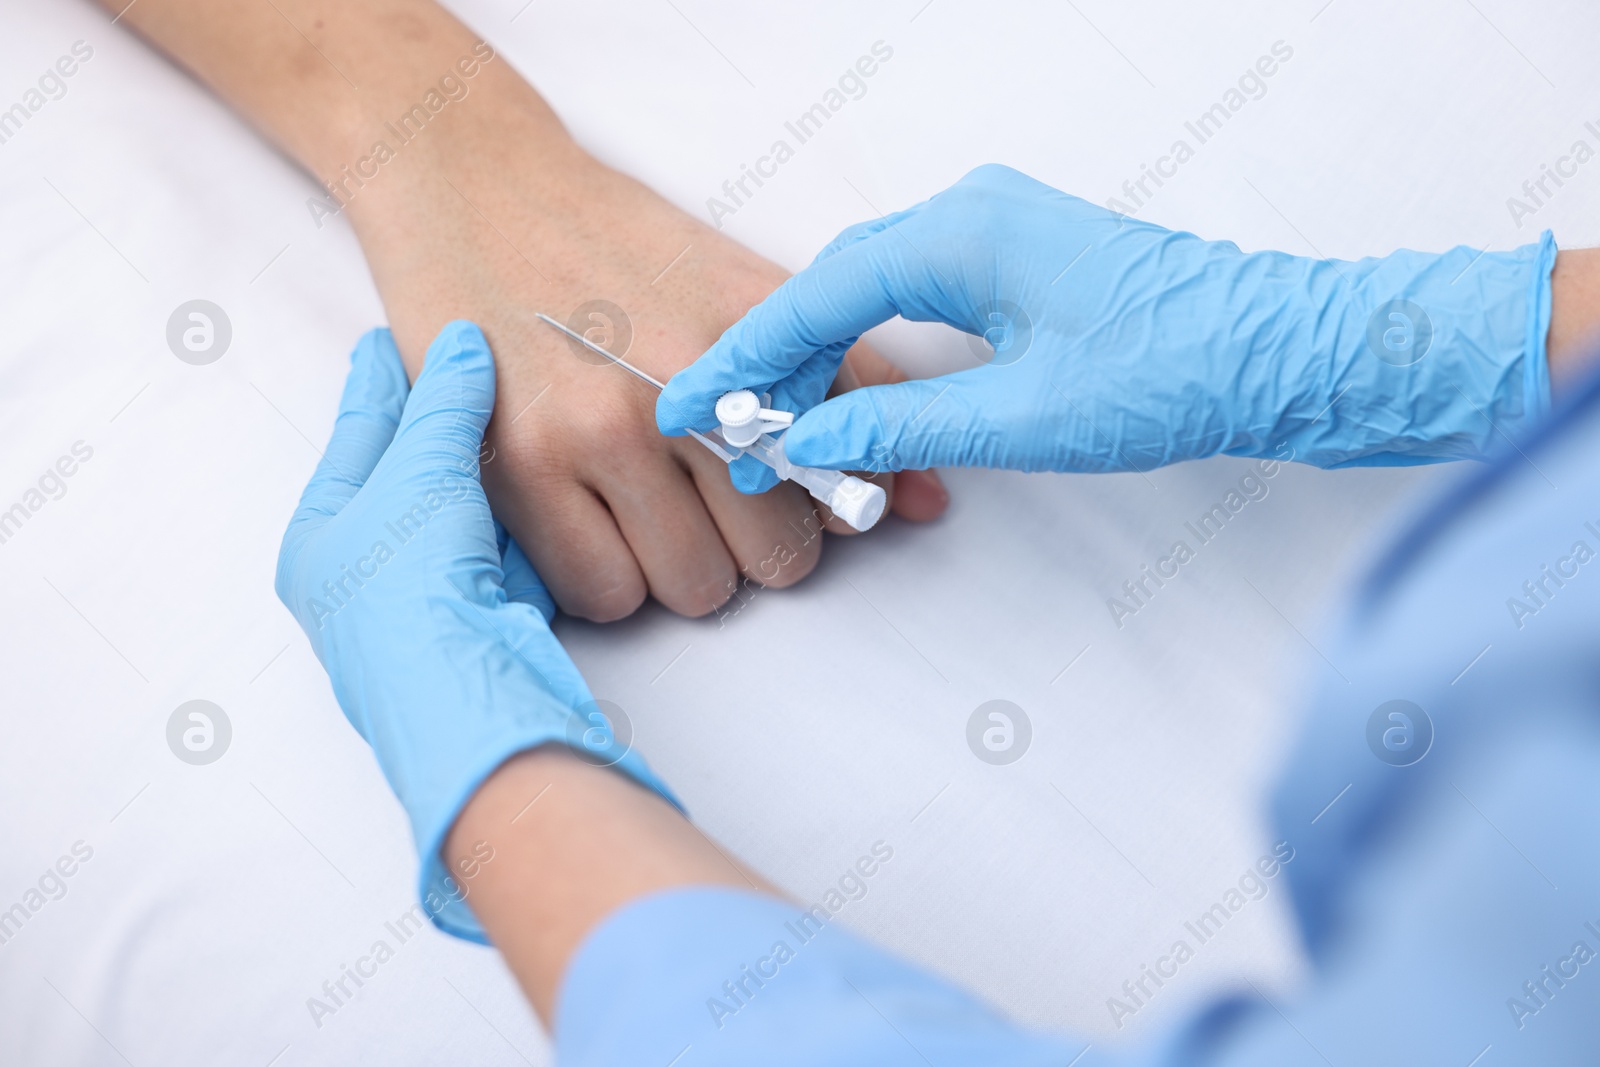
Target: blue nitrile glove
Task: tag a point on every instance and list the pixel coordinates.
(432, 625)
(1118, 344)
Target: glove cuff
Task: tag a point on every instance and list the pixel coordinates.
(444, 895)
(1536, 367)
(1433, 357)
(497, 700)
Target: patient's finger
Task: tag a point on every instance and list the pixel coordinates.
(775, 538)
(569, 537)
(672, 535)
(919, 496)
(374, 397)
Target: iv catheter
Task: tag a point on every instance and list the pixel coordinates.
(745, 424)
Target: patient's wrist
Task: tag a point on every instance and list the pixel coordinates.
(470, 115)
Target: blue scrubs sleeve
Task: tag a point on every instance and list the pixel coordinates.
(696, 977)
(1447, 871)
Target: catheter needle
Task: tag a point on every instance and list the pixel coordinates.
(591, 346)
(858, 503)
(711, 439)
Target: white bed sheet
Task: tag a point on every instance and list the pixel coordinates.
(219, 898)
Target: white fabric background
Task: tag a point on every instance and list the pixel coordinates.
(219, 898)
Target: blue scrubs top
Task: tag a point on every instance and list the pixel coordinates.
(1443, 806)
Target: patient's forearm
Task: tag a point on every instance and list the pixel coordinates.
(1574, 340)
(572, 843)
(323, 77)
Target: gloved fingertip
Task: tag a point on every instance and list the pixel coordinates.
(377, 378)
(458, 369)
(751, 476)
(374, 344)
(812, 442)
(461, 343)
(670, 418)
(453, 398)
(521, 582)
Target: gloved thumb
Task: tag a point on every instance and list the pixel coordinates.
(449, 406)
(906, 426)
(521, 582)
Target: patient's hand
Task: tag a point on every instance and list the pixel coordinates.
(607, 508)
(489, 212)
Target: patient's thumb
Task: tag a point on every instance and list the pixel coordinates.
(906, 426)
(450, 403)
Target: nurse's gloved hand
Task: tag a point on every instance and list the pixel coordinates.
(1117, 344)
(432, 625)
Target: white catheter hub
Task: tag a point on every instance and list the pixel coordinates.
(746, 424)
(743, 418)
